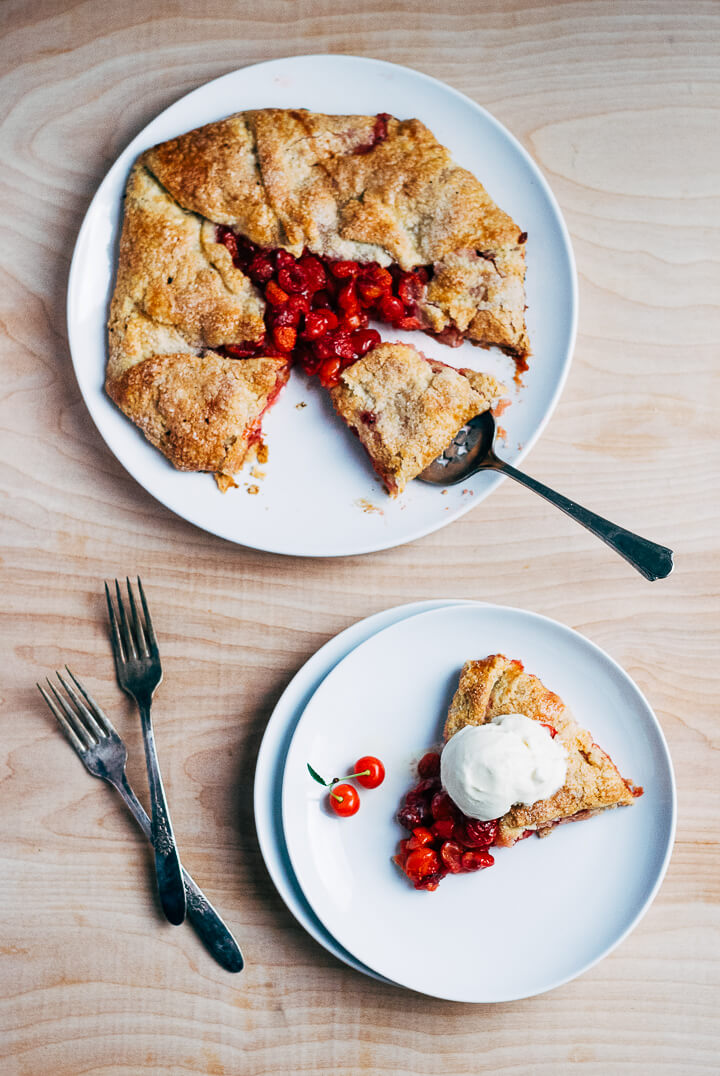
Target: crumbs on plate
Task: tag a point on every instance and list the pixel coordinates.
(500, 407)
(225, 482)
(367, 506)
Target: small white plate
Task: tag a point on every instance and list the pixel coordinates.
(271, 761)
(320, 496)
(547, 910)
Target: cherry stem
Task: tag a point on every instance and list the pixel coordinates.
(363, 773)
(336, 780)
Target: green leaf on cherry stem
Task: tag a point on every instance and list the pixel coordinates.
(316, 777)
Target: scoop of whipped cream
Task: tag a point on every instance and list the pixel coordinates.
(485, 769)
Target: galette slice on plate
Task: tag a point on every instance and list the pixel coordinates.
(579, 779)
(406, 408)
(497, 685)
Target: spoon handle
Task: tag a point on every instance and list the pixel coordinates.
(650, 559)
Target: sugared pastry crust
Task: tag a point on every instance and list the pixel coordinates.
(202, 411)
(191, 309)
(496, 685)
(406, 408)
(343, 189)
(177, 289)
(178, 295)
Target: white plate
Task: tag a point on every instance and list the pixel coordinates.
(320, 491)
(547, 910)
(271, 761)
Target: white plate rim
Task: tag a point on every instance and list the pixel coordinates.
(484, 484)
(271, 760)
(668, 835)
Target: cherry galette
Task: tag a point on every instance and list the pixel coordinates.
(277, 236)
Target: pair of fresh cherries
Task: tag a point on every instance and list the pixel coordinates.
(342, 797)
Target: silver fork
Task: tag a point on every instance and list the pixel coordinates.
(138, 668)
(104, 754)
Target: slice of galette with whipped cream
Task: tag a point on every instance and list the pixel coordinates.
(515, 763)
(274, 237)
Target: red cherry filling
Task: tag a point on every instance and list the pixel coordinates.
(442, 839)
(317, 310)
(380, 133)
(254, 433)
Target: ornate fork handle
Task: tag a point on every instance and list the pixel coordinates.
(139, 671)
(167, 861)
(208, 924)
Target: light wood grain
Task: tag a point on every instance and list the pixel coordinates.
(618, 103)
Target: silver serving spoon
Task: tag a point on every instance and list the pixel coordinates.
(471, 450)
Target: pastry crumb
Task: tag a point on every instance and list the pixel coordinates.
(253, 490)
(299, 406)
(367, 506)
(225, 482)
(443, 492)
(257, 473)
(467, 492)
(262, 453)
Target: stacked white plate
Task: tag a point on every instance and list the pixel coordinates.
(547, 910)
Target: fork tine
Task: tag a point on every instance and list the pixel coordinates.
(89, 727)
(77, 734)
(128, 641)
(148, 622)
(84, 714)
(114, 629)
(137, 622)
(98, 713)
(75, 742)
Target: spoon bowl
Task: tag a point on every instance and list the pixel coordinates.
(470, 451)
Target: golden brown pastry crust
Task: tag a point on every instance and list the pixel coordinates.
(201, 411)
(496, 685)
(176, 289)
(406, 408)
(292, 179)
(178, 295)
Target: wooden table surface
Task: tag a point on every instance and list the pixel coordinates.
(618, 105)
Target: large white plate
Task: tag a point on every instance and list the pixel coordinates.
(320, 491)
(271, 761)
(547, 910)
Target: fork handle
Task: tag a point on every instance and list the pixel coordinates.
(650, 559)
(167, 861)
(209, 926)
